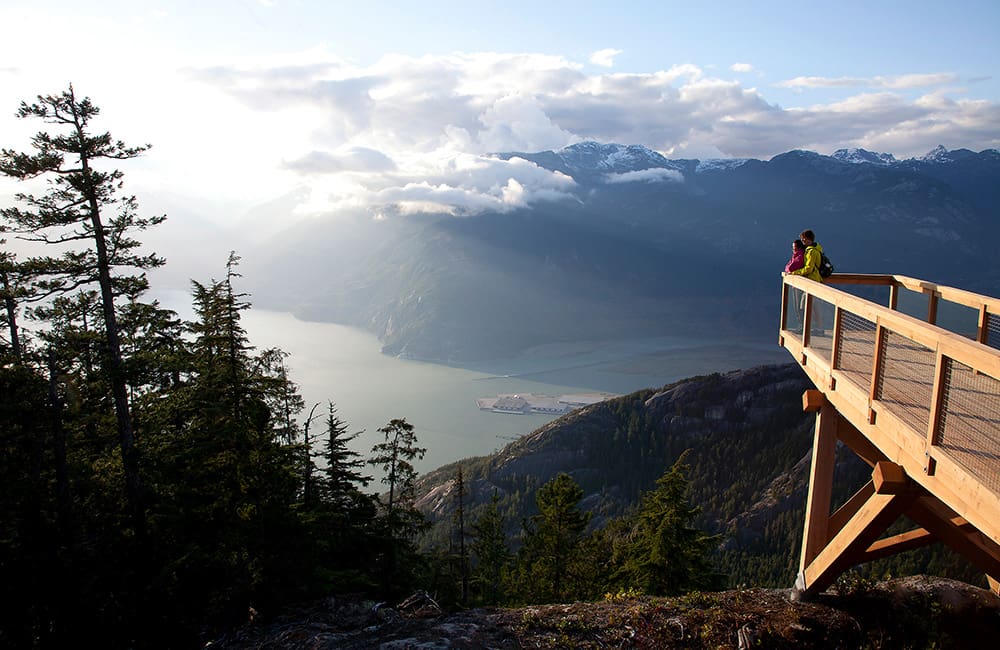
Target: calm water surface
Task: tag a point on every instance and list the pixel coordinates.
(345, 365)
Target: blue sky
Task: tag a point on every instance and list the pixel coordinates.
(392, 107)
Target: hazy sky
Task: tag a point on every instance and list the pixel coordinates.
(390, 106)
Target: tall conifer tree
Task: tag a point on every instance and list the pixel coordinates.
(665, 554)
(545, 565)
(83, 214)
(489, 547)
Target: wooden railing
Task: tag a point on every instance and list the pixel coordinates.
(918, 393)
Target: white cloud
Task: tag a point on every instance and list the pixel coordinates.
(899, 82)
(351, 159)
(604, 58)
(414, 131)
(239, 129)
(653, 175)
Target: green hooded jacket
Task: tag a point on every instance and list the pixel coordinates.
(813, 258)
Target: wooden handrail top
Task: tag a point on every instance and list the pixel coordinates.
(971, 353)
(945, 292)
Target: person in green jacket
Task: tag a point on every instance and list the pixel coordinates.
(813, 257)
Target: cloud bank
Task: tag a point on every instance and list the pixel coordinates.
(413, 133)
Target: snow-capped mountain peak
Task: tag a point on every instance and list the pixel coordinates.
(858, 156)
(612, 158)
(937, 155)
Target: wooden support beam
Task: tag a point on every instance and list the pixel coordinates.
(956, 533)
(824, 457)
(994, 584)
(850, 508)
(812, 401)
(865, 449)
(848, 547)
(889, 478)
(908, 541)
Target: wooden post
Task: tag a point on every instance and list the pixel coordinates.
(838, 316)
(784, 307)
(941, 365)
(877, 363)
(807, 308)
(816, 533)
(932, 306)
(983, 331)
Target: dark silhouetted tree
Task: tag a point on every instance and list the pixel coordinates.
(401, 521)
(83, 215)
(491, 553)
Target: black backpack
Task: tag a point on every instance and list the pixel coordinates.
(825, 266)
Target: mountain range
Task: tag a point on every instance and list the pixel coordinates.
(642, 245)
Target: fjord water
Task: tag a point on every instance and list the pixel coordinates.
(345, 365)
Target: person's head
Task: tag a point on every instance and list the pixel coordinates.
(797, 245)
(807, 237)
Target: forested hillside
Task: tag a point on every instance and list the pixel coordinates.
(748, 446)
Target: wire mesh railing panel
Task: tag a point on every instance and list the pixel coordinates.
(969, 428)
(906, 382)
(993, 331)
(856, 352)
(820, 338)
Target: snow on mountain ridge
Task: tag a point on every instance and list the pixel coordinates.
(859, 156)
(720, 164)
(613, 157)
(936, 155)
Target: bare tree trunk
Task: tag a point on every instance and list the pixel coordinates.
(11, 307)
(126, 436)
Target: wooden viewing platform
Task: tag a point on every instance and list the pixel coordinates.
(917, 397)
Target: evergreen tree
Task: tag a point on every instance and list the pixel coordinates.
(31, 560)
(401, 522)
(281, 394)
(341, 475)
(342, 516)
(228, 534)
(546, 564)
(459, 550)
(12, 290)
(664, 553)
(76, 211)
(491, 553)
